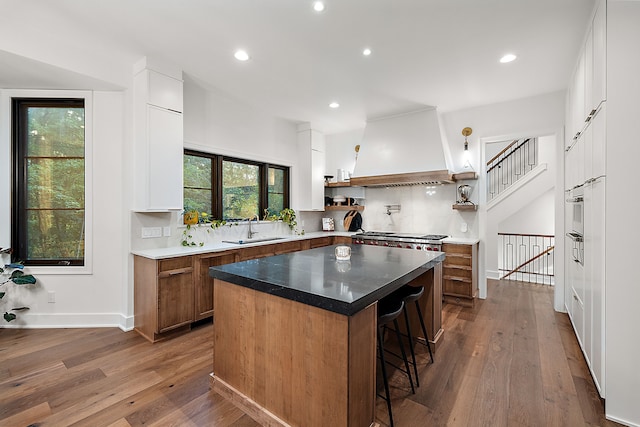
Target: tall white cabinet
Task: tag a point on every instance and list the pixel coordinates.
(311, 169)
(585, 170)
(608, 328)
(158, 138)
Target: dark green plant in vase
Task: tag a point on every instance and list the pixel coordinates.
(12, 275)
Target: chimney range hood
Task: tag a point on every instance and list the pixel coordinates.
(405, 149)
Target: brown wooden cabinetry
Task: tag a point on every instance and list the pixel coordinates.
(163, 295)
(460, 273)
(341, 240)
(172, 293)
(204, 283)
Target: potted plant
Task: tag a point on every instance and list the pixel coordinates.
(12, 275)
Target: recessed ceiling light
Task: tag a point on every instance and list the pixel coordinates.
(366, 51)
(334, 105)
(318, 6)
(508, 58)
(241, 55)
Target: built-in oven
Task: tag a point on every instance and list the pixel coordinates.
(575, 203)
(575, 208)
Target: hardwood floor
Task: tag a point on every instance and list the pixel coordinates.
(509, 361)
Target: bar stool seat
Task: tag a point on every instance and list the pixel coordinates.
(409, 294)
(388, 311)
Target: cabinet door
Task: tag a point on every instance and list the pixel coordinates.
(311, 170)
(588, 75)
(165, 148)
(599, 142)
(164, 91)
(175, 299)
(599, 80)
(204, 282)
(596, 266)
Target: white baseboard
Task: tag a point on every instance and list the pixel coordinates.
(71, 320)
(493, 274)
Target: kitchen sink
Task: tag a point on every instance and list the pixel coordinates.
(246, 241)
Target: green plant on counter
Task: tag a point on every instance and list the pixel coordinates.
(286, 215)
(204, 220)
(12, 275)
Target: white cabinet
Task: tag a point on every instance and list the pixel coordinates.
(599, 73)
(164, 91)
(158, 142)
(598, 142)
(311, 170)
(585, 163)
(594, 280)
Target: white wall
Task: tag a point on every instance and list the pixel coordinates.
(622, 293)
(536, 217)
(95, 297)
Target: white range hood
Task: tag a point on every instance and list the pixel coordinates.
(404, 149)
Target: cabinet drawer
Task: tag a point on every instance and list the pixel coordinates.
(286, 247)
(320, 242)
(450, 248)
(174, 263)
(457, 287)
(458, 260)
(460, 274)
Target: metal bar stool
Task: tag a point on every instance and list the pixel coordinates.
(409, 294)
(388, 310)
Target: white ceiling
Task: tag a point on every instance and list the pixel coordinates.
(441, 53)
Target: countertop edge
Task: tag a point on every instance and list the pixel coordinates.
(178, 251)
(323, 302)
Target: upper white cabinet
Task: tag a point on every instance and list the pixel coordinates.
(158, 142)
(163, 91)
(588, 88)
(311, 170)
(599, 44)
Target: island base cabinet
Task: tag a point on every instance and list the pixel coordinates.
(288, 363)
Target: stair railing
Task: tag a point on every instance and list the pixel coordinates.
(526, 257)
(511, 164)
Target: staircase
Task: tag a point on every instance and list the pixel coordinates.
(510, 165)
(520, 184)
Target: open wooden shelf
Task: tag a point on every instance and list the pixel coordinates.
(465, 175)
(338, 184)
(358, 208)
(461, 207)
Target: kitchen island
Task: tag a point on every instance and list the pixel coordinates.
(295, 334)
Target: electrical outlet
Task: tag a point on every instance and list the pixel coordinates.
(464, 227)
(166, 231)
(51, 297)
(151, 232)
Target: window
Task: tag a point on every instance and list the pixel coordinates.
(48, 198)
(231, 188)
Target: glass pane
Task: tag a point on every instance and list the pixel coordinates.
(197, 171)
(55, 235)
(240, 190)
(276, 191)
(196, 199)
(55, 132)
(55, 183)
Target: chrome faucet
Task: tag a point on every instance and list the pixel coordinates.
(251, 232)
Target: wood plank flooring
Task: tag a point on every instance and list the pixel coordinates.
(509, 361)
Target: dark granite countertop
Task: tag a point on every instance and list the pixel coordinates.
(316, 278)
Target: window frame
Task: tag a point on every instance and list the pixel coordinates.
(216, 185)
(7, 187)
